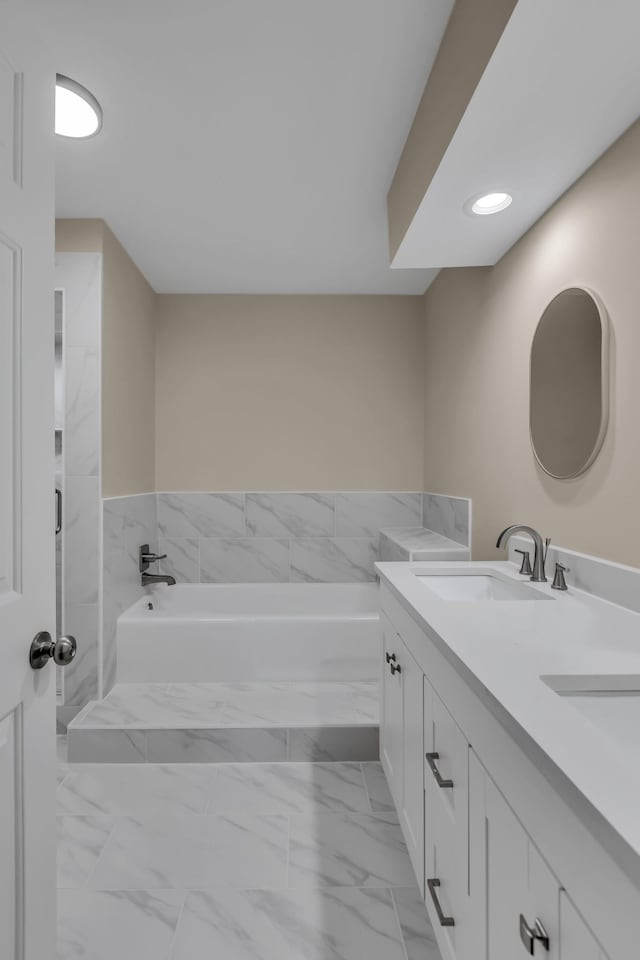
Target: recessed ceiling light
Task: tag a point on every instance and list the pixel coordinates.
(78, 113)
(491, 203)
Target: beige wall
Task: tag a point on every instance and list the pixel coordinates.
(79, 236)
(128, 375)
(289, 392)
(128, 352)
(479, 328)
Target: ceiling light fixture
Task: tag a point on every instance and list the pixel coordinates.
(491, 203)
(78, 113)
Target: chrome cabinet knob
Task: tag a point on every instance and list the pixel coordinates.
(44, 648)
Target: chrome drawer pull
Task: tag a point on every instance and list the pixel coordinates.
(431, 760)
(396, 669)
(444, 921)
(529, 935)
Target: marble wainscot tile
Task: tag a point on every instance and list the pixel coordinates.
(328, 924)
(183, 559)
(380, 798)
(160, 851)
(189, 515)
(287, 788)
(449, 516)
(348, 849)
(326, 744)
(79, 275)
(333, 561)
(417, 932)
(82, 415)
(290, 514)
(127, 924)
(362, 514)
(391, 550)
(244, 561)
(82, 539)
(125, 790)
(225, 745)
(81, 676)
(81, 840)
(128, 522)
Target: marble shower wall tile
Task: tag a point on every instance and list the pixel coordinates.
(79, 276)
(333, 561)
(82, 412)
(362, 514)
(449, 516)
(246, 561)
(81, 549)
(290, 514)
(189, 515)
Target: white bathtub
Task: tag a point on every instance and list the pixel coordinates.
(228, 632)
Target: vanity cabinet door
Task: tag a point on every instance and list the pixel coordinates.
(522, 896)
(412, 810)
(576, 940)
(391, 718)
(446, 774)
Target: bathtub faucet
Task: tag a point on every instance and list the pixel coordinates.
(149, 578)
(145, 558)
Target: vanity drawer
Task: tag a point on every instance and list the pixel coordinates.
(446, 826)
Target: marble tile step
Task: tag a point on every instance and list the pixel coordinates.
(229, 722)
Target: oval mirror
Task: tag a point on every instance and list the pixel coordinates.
(570, 383)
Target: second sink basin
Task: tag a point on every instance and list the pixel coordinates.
(474, 588)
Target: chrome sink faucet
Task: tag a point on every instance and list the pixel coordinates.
(540, 555)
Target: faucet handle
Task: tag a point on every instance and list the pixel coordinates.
(145, 557)
(559, 582)
(525, 566)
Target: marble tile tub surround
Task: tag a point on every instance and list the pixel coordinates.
(225, 722)
(266, 861)
(127, 523)
(448, 516)
(278, 536)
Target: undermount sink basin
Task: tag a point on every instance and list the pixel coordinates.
(474, 588)
(611, 703)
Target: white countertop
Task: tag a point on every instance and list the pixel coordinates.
(507, 647)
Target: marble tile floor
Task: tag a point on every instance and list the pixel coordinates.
(288, 861)
(225, 722)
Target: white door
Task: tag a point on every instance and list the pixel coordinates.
(27, 697)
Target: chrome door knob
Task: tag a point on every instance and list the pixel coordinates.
(44, 648)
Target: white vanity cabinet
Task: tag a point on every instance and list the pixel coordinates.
(503, 862)
(391, 710)
(446, 824)
(401, 741)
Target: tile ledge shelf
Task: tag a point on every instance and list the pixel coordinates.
(419, 543)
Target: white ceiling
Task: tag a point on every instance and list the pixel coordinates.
(248, 145)
(562, 85)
